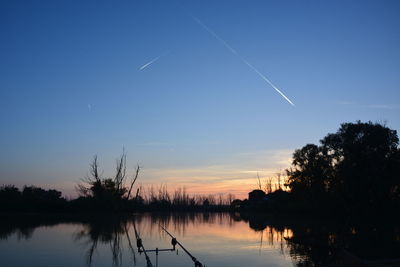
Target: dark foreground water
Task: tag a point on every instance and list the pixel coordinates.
(215, 239)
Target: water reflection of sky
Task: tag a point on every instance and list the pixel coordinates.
(219, 241)
(215, 239)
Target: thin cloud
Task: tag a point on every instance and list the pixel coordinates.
(372, 106)
(154, 144)
(383, 106)
(346, 103)
(238, 177)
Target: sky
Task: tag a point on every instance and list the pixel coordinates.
(180, 86)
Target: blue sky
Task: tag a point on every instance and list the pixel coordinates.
(71, 85)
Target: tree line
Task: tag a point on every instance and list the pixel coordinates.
(352, 170)
(30, 198)
(116, 193)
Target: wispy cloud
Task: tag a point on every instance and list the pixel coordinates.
(346, 103)
(382, 106)
(372, 106)
(237, 178)
(154, 144)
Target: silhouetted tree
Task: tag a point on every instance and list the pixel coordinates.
(108, 193)
(10, 198)
(308, 176)
(31, 198)
(354, 166)
(363, 156)
(36, 198)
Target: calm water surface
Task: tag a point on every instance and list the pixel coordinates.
(215, 239)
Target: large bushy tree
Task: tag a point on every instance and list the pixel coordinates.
(356, 166)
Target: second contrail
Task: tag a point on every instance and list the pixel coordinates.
(233, 51)
(149, 63)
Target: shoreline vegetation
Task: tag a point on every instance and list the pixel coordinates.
(353, 172)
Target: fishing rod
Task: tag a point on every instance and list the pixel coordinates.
(175, 241)
(157, 251)
(139, 244)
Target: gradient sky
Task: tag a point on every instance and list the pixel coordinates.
(70, 86)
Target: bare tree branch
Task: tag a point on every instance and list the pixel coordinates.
(134, 180)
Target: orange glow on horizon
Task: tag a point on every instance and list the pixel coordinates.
(237, 179)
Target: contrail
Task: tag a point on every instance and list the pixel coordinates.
(215, 35)
(149, 63)
(233, 51)
(268, 81)
(154, 60)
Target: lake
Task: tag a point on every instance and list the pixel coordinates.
(214, 239)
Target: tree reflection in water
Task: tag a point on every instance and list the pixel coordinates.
(110, 231)
(309, 242)
(314, 242)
